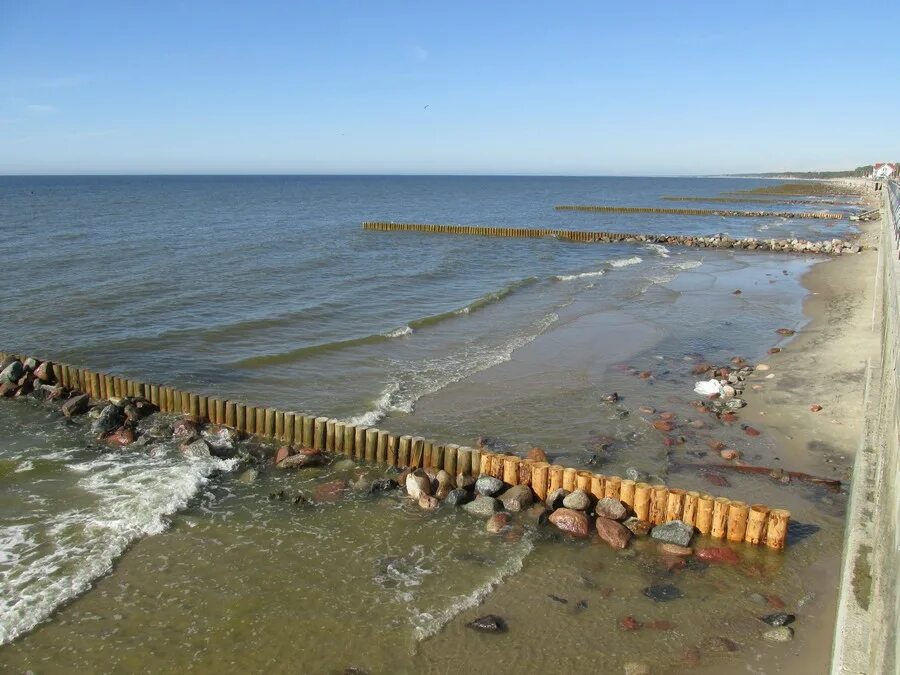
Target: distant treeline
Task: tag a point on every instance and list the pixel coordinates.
(861, 171)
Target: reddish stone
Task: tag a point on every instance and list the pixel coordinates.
(736, 291)
(750, 431)
(729, 454)
(718, 554)
(613, 533)
(647, 410)
(667, 416)
(629, 623)
(497, 523)
(785, 331)
(329, 492)
(663, 425)
(120, 437)
(42, 372)
(728, 417)
(700, 368)
(715, 445)
(815, 407)
(714, 478)
(661, 624)
(282, 454)
(537, 455)
(185, 427)
(774, 350)
(575, 523)
(775, 601)
(646, 375)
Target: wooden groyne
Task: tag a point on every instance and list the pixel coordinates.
(717, 517)
(821, 215)
(718, 241)
(761, 200)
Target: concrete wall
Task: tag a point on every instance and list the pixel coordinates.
(866, 637)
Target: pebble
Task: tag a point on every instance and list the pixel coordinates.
(611, 508)
(490, 623)
(457, 497)
(758, 598)
(497, 523)
(383, 485)
(488, 486)
(675, 549)
(639, 528)
(482, 506)
(428, 503)
(517, 498)
(762, 366)
(815, 407)
(577, 501)
(629, 623)
(674, 532)
(663, 592)
(778, 619)
(537, 455)
(573, 522)
(729, 454)
(780, 634)
(613, 533)
(636, 475)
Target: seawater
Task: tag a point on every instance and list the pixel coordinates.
(266, 289)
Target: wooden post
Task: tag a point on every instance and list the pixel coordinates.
(555, 478)
(497, 466)
(289, 422)
(154, 392)
(339, 437)
(371, 445)
(319, 425)
(259, 421)
(719, 518)
(450, 454)
(172, 398)
(240, 417)
(96, 386)
(675, 504)
(203, 412)
(109, 389)
(437, 456)
(349, 438)
(404, 451)
(737, 521)
(230, 414)
(194, 406)
(359, 442)
(659, 497)
(626, 493)
(598, 486)
(308, 424)
(474, 460)
(612, 487)
(417, 452)
(642, 494)
(484, 468)
(539, 479)
(279, 425)
(393, 445)
(524, 470)
(569, 475)
(583, 481)
(268, 423)
(704, 517)
(511, 470)
(329, 435)
(777, 528)
(381, 446)
(756, 524)
(427, 449)
(185, 401)
(463, 461)
(689, 515)
(298, 429)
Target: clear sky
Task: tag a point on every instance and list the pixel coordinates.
(451, 87)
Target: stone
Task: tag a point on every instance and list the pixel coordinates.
(497, 523)
(303, 459)
(715, 445)
(331, 491)
(221, 441)
(12, 373)
(785, 331)
(383, 485)
(750, 431)
(661, 624)
(457, 497)
(637, 527)
(611, 397)
(664, 425)
(281, 454)
(248, 476)
(611, 508)
(8, 389)
(43, 372)
(537, 455)
(780, 634)
(675, 550)
(572, 522)
(121, 437)
(417, 484)
(613, 533)
(815, 407)
(464, 481)
(77, 405)
(735, 403)
(482, 506)
(577, 501)
(663, 592)
(555, 499)
(348, 465)
(195, 450)
(636, 475)
(729, 454)
(490, 623)
(110, 418)
(629, 623)
(517, 498)
(718, 554)
(427, 502)
(674, 532)
(538, 513)
(185, 428)
(775, 601)
(361, 484)
(444, 479)
(778, 619)
(718, 645)
(488, 486)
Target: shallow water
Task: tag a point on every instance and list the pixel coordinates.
(266, 289)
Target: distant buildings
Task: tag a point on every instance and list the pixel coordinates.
(884, 170)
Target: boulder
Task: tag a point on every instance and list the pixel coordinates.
(613, 532)
(12, 373)
(611, 508)
(483, 506)
(186, 427)
(577, 501)
(248, 476)
(221, 440)
(305, 458)
(417, 484)
(555, 499)
(121, 437)
(573, 522)
(110, 418)
(195, 450)
(427, 502)
(457, 497)
(517, 498)
(488, 486)
(674, 532)
(383, 485)
(637, 527)
(537, 455)
(44, 372)
(497, 523)
(281, 454)
(77, 405)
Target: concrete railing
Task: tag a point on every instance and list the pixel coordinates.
(866, 637)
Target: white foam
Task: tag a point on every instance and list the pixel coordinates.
(583, 275)
(688, 264)
(133, 495)
(659, 249)
(625, 262)
(400, 332)
(27, 465)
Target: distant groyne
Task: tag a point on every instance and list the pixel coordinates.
(719, 241)
(821, 215)
(717, 517)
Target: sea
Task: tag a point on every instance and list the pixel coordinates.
(266, 289)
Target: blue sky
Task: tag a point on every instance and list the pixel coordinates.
(520, 87)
